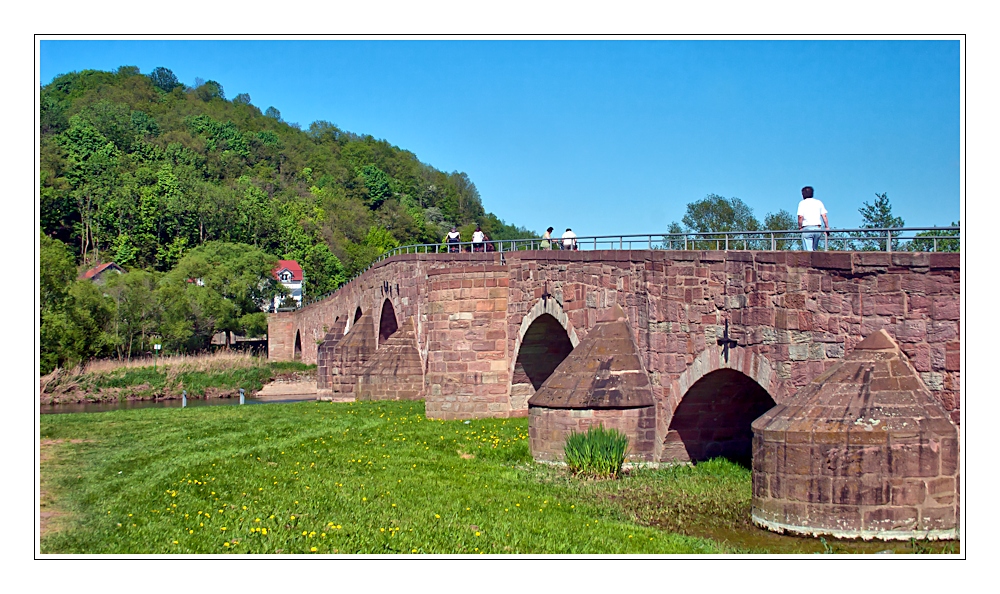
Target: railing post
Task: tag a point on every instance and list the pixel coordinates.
(888, 240)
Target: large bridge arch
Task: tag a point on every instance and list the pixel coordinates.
(710, 407)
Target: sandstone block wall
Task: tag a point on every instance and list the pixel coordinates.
(857, 483)
(467, 360)
(794, 315)
(549, 428)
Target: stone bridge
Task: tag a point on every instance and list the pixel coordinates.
(476, 334)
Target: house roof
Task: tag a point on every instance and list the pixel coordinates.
(291, 266)
(96, 270)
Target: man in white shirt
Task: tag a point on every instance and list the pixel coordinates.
(811, 213)
(569, 240)
(477, 239)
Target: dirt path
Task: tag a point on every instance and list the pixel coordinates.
(51, 518)
(287, 388)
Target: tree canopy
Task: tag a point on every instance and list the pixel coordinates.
(717, 214)
(160, 178)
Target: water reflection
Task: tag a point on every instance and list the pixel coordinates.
(78, 407)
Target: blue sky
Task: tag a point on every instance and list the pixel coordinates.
(612, 136)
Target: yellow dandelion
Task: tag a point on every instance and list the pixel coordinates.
(313, 549)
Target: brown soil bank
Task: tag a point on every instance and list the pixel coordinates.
(69, 391)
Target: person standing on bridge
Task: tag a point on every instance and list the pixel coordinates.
(811, 213)
(547, 239)
(477, 239)
(569, 239)
(454, 237)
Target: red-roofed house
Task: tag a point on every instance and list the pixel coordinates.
(289, 274)
(97, 273)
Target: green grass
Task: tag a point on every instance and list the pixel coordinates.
(337, 478)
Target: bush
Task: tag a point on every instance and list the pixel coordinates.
(599, 452)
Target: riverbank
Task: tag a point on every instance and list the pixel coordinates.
(218, 375)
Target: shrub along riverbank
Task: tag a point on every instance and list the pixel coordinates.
(217, 375)
(376, 477)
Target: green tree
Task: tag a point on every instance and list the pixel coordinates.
(322, 270)
(164, 79)
(210, 90)
(782, 221)
(948, 241)
(716, 214)
(72, 312)
(228, 281)
(878, 215)
(136, 312)
(360, 255)
(377, 185)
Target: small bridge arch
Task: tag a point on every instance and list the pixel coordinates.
(387, 324)
(545, 338)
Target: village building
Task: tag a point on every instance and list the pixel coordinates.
(98, 274)
(289, 274)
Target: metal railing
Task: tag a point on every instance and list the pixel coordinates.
(923, 239)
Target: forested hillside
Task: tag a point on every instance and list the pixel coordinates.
(142, 170)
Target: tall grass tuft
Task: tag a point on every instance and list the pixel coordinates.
(599, 452)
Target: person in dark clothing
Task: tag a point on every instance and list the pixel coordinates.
(453, 239)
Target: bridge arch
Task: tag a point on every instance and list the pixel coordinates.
(387, 324)
(545, 338)
(712, 404)
(350, 320)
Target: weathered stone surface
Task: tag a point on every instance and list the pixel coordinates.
(895, 472)
(603, 371)
(395, 371)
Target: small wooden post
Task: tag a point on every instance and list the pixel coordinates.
(241, 395)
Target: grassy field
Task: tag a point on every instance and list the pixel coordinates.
(335, 478)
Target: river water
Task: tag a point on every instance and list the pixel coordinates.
(87, 407)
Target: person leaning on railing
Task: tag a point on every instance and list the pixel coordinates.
(454, 237)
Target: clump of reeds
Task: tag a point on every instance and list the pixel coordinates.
(599, 452)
